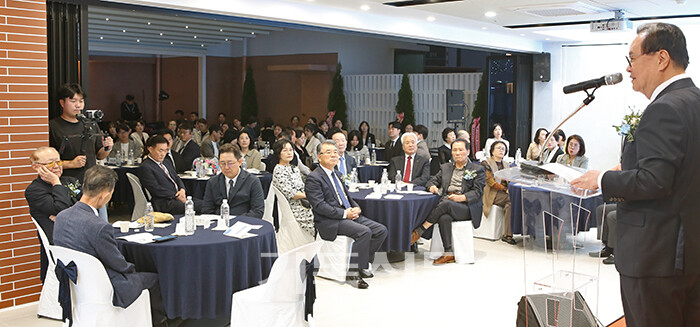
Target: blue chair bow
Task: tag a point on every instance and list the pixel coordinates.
(64, 274)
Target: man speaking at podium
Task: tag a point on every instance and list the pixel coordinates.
(658, 231)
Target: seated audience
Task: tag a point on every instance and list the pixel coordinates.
(561, 139)
(189, 149)
(194, 116)
(337, 123)
(79, 228)
(210, 145)
(49, 194)
(159, 177)
(237, 125)
(221, 119)
(367, 138)
(288, 180)
(414, 168)
(460, 186)
(250, 126)
(112, 129)
(606, 232)
(172, 125)
(242, 190)
(393, 148)
(322, 131)
(231, 136)
(298, 140)
(225, 127)
(174, 157)
(138, 135)
(202, 131)
(346, 163)
(335, 213)
(123, 144)
(445, 151)
(422, 147)
(495, 191)
(267, 133)
(537, 145)
(463, 134)
(311, 141)
(251, 156)
(408, 128)
(575, 153)
(497, 133)
(179, 116)
(295, 122)
(552, 152)
(357, 149)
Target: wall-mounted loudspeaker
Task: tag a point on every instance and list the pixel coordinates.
(541, 67)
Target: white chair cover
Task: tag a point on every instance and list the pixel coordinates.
(48, 300)
(290, 235)
(462, 242)
(491, 227)
(280, 301)
(92, 295)
(334, 258)
(269, 204)
(480, 155)
(139, 197)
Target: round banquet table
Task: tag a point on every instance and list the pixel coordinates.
(559, 205)
(198, 274)
(371, 172)
(122, 189)
(400, 216)
(196, 186)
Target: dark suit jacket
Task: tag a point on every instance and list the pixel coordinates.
(161, 188)
(45, 200)
(327, 209)
(207, 148)
(473, 189)
(656, 189)
(395, 151)
(445, 154)
(178, 162)
(350, 164)
(78, 228)
(546, 152)
(248, 198)
(189, 153)
(420, 172)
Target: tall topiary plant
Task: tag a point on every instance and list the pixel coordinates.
(249, 102)
(336, 98)
(405, 103)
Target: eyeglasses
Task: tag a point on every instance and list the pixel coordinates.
(330, 152)
(228, 163)
(52, 164)
(631, 58)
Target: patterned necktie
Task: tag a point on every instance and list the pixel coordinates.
(165, 170)
(342, 166)
(407, 175)
(339, 189)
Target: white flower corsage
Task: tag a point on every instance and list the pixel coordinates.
(469, 174)
(74, 188)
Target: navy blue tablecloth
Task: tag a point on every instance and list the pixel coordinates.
(369, 172)
(400, 217)
(558, 205)
(196, 187)
(122, 189)
(198, 274)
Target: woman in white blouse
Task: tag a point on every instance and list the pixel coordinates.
(497, 131)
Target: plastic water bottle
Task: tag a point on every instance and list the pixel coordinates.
(244, 165)
(267, 149)
(224, 211)
(518, 157)
(189, 215)
(398, 180)
(353, 176)
(148, 217)
(385, 181)
(131, 159)
(373, 157)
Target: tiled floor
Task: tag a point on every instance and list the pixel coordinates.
(416, 293)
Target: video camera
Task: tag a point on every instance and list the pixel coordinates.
(93, 115)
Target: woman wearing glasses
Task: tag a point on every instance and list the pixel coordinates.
(49, 193)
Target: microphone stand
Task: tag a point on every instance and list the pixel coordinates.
(589, 98)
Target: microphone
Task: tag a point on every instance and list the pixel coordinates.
(596, 82)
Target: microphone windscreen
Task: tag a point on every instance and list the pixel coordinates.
(613, 79)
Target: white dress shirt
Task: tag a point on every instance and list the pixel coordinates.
(405, 160)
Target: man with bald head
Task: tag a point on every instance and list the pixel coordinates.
(49, 194)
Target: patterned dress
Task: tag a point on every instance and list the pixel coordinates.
(289, 181)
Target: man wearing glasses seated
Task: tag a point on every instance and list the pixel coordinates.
(335, 213)
(242, 190)
(49, 194)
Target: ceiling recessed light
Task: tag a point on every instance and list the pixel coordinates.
(252, 33)
(364, 7)
(547, 39)
(221, 30)
(101, 37)
(187, 26)
(171, 42)
(149, 23)
(490, 14)
(202, 45)
(227, 40)
(195, 36)
(483, 28)
(138, 40)
(161, 34)
(107, 19)
(431, 18)
(522, 34)
(123, 31)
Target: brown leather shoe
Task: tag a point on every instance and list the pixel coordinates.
(444, 259)
(414, 237)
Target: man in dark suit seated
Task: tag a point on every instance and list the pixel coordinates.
(655, 186)
(335, 213)
(242, 190)
(460, 186)
(158, 176)
(190, 149)
(49, 194)
(346, 163)
(393, 148)
(80, 229)
(414, 169)
(174, 157)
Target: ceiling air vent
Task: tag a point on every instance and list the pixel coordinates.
(559, 9)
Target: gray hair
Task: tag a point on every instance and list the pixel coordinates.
(328, 142)
(99, 179)
(415, 137)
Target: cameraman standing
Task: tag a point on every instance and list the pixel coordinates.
(80, 143)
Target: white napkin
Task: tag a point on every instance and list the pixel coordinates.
(393, 196)
(141, 238)
(374, 195)
(241, 230)
(253, 171)
(132, 224)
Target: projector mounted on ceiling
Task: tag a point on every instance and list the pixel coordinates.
(619, 23)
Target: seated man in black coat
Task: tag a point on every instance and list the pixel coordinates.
(158, 176)
(242, 190)
(190, 149)
(79, 228)
(393, 146)
(461, 187)
(335, 213)
(174, 157)
(418, 167)
(49, 194)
